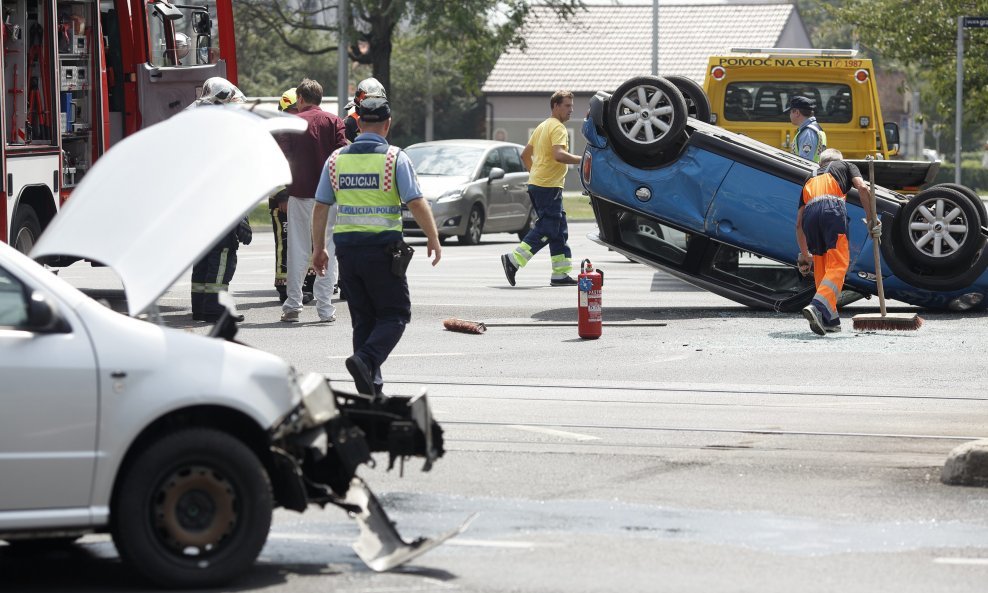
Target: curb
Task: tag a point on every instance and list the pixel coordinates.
(967, 465)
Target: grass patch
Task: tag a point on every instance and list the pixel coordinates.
(260, 216)
(577, 207)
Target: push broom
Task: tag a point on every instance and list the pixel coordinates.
(883, 320)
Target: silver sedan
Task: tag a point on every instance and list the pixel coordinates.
(474, 187)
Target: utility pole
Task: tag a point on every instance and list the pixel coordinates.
(428, 94)
(343, 64)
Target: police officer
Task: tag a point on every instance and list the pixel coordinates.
(810, 138)
(370, 180)
(368, 87)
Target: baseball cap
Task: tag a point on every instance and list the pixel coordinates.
(374, 109)
(800, 103)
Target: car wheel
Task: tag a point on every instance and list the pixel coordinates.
(646, 115)
(192, 510)
(475, 226)
(529, 224)
(26, 229)
(939, 227)
(697, 103)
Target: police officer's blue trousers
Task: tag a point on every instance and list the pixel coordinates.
(379, 303)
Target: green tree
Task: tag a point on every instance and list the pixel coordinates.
(922, 35)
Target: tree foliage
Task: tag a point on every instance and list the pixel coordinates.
(921, 35)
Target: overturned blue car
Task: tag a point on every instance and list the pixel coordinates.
(718, 209)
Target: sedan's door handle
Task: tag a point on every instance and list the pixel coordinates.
(118, 374)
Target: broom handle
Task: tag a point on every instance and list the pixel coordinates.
(875, 240)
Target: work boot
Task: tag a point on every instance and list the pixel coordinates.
(362, 378)
(564, 281)
(832, 328)
(509, 268)
(816, 322)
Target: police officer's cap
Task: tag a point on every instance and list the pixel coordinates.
(374, 109)
(800, 102)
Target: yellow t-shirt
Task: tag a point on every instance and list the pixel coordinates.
(547, 171)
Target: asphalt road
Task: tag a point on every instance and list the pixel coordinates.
(697, 446)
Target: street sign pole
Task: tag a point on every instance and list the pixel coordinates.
(959, 110)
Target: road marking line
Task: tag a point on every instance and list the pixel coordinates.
(422, 355)
(962, 561)
(551, 431)
(482, 543)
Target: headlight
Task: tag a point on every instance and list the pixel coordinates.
(451, 195)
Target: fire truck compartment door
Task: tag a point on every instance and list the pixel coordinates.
(164, 92)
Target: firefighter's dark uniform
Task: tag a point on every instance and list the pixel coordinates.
(211, 275)
(369, 180)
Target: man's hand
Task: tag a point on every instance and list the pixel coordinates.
(320, 260)
(434, 250)
(804, 264)
(875, 230)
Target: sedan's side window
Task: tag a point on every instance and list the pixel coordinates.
(13, 305)
(512, 160)
(493, 160)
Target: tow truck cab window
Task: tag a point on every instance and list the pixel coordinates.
(765, 101)
(183, 35)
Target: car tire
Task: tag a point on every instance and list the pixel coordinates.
(939, 228)
(475, 226)
(192, 510)
(697, 102)
(529, 224)
(645, 116)
(25, 229)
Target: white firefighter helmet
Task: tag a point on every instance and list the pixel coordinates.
(368, 87)
(216, 91)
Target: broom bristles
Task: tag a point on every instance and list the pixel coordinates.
(890, 322)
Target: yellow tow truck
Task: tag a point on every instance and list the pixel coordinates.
(749, 88)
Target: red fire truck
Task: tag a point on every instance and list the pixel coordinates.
(80, 75)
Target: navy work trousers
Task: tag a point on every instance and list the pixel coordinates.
(379, 303)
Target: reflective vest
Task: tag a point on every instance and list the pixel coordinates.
(822, 185)
(821, 144)
(366, 191)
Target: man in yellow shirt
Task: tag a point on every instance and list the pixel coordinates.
(546, 157)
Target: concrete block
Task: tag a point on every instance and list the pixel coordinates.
(967, 465)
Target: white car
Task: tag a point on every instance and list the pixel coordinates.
(179, 445)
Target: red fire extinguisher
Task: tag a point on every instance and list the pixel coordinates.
(590, 286)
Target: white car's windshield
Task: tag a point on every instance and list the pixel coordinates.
(456, 161)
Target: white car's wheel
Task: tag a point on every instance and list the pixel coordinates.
(192, 510)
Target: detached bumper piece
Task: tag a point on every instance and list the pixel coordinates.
(319, 448)
(380, 546)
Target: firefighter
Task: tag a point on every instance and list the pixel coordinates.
(368, 87)
(370, 180)
(212, 274)
(278, 206)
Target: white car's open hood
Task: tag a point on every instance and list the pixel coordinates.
(158, 200)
